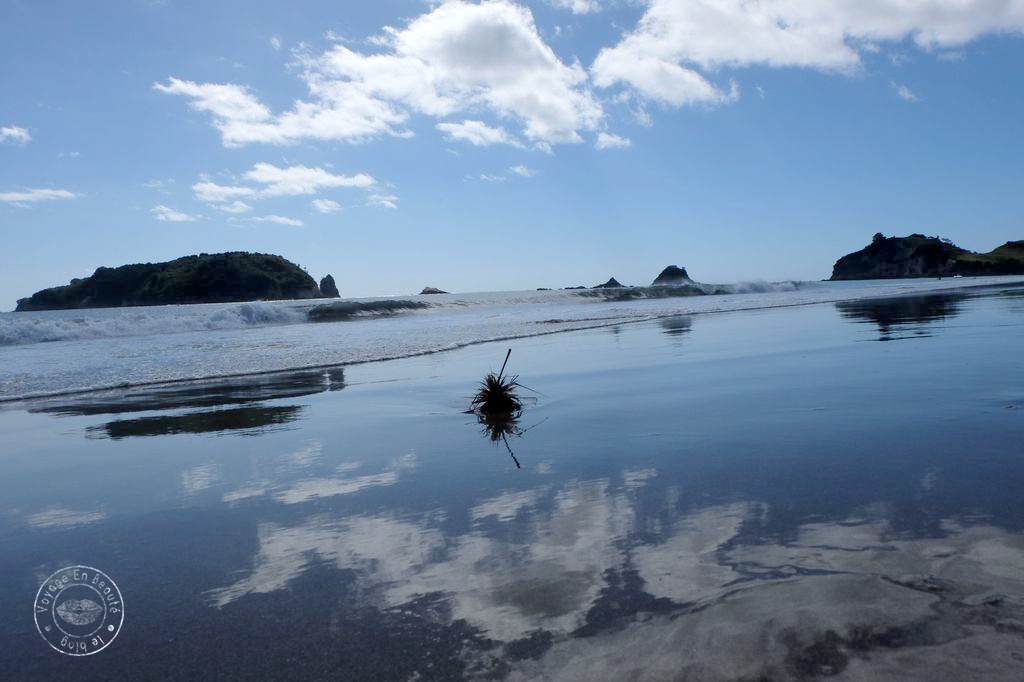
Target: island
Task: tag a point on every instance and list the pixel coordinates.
(921, 256)
(206, 278)
(671, 276)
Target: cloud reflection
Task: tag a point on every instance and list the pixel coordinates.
(59, 517)
(618, 591)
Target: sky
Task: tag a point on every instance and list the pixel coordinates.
(499, 145)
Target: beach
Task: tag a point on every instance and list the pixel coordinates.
(826, 485)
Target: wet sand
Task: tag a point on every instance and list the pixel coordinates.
(823, 491)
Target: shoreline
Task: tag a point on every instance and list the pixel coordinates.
(726, 496)
(583, 325)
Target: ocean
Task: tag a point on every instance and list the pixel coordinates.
(56, 352)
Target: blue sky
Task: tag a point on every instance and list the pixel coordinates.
(500, 145)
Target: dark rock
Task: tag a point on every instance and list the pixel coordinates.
(207, 278)
(328, 289)
(610, 284)
(671, 276)
(432, 290)
(921, 256)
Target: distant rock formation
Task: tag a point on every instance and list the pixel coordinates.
(328, 289)
(610, 284)
(206, 278)
(921, 256)
(432, 290)
(671, 276)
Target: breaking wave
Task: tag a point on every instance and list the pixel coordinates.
(349, 310)
(75, 325)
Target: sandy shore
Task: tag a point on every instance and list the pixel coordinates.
(744, 496)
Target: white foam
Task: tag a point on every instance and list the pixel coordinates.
(90, 349)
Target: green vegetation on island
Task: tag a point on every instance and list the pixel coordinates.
(206, 278)
(921, 256)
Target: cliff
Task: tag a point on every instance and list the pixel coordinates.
(206, 278)
(921, 256)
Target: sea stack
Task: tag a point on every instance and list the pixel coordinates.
(432, 290)
(612, 283)
(673, 275)
(328, 289)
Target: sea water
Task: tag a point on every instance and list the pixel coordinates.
(54, 352)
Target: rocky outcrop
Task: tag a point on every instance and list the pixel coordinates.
(921, 256)
(612, 283)
(432, 290)
(328, 289)
(206, 278)
(671, 276)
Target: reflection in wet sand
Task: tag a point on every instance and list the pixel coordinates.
(563, 585)
(906, 317)
(211, 393)
(676, 325)
(307, 489)
(845, 600)
(248, 391)
(250, 420)
(59, 517)
(547, 579)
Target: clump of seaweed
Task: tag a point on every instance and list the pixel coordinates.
(497, 406)
(497, 394)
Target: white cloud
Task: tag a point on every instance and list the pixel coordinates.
(168, 214)
(904, 93)
(579, 6)
(234, 207)
(486, 177)
(14, 134)
(326, 205)
(658, 59)
(459, 56)
(275, 42)
(612, 141)
(477, 133)
(279, 219)
(213, 193)
(382, 201)
(296, 180)
(523, 171)
(237, 113)
(31, 196)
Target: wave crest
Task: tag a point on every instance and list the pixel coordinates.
(27, 328)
